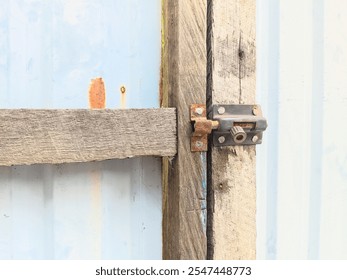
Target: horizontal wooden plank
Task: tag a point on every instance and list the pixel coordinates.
(60, 136)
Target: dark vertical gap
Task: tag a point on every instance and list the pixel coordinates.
(209, 65)
(164, 102)
(209, 84)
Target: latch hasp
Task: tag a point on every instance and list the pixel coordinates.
(231, 125)
(200, 127)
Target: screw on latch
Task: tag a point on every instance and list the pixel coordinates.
(199, 110)
(221, 139)
(221, 110)
(199, 144)
(255, 138)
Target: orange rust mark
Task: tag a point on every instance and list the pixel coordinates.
(122, 97)
(96, 207)
(202, 127)
(97, 94)
(201, 124)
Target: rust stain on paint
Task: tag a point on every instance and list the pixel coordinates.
(97, 97)
(96, 187)
(96, 209)
(123, 97)
(97, 94)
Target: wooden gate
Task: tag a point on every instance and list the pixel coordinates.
(207, 57)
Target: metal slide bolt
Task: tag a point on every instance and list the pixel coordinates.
(238, 134)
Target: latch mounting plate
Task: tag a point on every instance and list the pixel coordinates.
(198, 140)
(201, 127)
(238, 125)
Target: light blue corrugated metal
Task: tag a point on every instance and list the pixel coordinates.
(49, 52)
(302, 164)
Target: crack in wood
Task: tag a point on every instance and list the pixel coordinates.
(240, 57)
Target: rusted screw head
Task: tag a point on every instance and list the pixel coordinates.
(198, 144)
(199, 111)
(221, 139)
(221, 110)
(255, 138)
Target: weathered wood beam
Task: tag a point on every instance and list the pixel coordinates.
(184, 83)
(62, 136)
(232, 189)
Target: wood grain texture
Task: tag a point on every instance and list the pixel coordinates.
(231, 79)
(184, 83)
(61, 136)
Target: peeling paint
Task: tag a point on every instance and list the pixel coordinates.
(96, 101)
(54, 48)
(97, 94)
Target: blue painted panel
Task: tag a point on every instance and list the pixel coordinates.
(51, 49)
(302, 163)
(49, 52)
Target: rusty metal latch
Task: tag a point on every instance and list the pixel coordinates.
(230, 125)
(202, 127)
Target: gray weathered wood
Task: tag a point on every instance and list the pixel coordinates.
(232, 190)
(184, 83)
(59, 136)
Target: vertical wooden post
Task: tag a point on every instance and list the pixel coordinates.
(231, 176)
(184, 83)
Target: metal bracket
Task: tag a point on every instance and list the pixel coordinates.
(201, 126)
(231, 125)
(238, 125)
